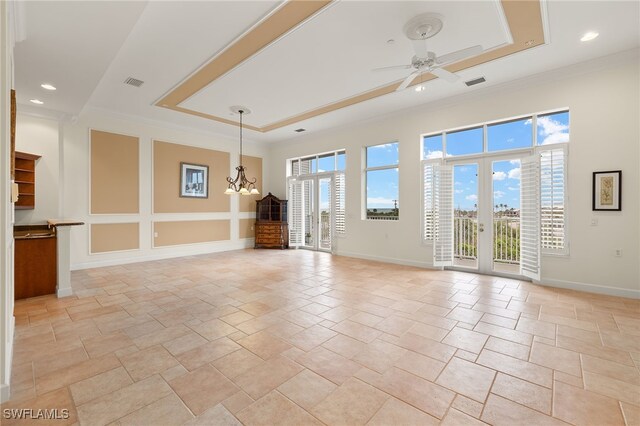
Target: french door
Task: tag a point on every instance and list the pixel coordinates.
(312, 216)
(487, 227)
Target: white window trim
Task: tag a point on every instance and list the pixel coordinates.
(290, 161)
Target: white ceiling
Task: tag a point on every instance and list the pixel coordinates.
(88, 48)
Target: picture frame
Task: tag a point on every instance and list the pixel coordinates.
(607, 191)
(194, 180)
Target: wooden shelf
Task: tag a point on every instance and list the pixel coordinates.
(26, 179)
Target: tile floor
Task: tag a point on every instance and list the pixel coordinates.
(297, 337)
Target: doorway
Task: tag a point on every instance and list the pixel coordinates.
(486, 214)
(313, 196)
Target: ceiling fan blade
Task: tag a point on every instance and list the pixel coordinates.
(458, 55)
(420, 47)
(407, 81)
(394, 67)
(445, 75)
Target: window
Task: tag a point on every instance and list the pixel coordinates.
(313, 164)
(509, 135)
(545, 134)
(432, 147)
(381, 175)
(465, 142)
(317, 163)
(553, 128)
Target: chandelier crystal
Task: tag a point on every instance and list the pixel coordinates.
(241, 185)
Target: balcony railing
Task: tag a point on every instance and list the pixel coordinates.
(506, 239)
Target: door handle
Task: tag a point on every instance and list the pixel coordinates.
(481, 227)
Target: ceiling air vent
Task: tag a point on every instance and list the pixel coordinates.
(475, 81)
(133, 82)
(300, 130)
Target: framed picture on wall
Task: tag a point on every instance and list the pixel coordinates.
(194, 180)
(607, 194)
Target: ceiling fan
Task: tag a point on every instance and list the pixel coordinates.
(418, 30)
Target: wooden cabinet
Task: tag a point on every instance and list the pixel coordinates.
(272, 230)
(35, 261)
(26, 179)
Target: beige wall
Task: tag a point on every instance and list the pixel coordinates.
(115, 173)
(222, 156)
(166, 178)
(106, 237)
(247, 228)
(190, 232)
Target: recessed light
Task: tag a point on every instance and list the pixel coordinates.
(47, 86)
(420, 88)
(36, 101)
(589, 36)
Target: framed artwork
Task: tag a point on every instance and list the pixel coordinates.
(194, 180)
(607, 194)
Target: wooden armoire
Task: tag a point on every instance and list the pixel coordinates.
(272, 230)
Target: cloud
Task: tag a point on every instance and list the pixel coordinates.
(552, 131)
(384, 145)
(434, 154)
(499, 176)
(472, 197)
(459, 191)
(514, 173)
(513, 188)
(514, 162)
(498, 194)
(458, 183)
(510, 140)
(379, 201)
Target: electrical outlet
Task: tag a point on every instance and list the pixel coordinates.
(252, 227)
(618, 252)
(594, 221)
(155, 235)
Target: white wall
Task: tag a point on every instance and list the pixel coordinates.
(39, 136)
(6, 207)
(604, 119)
(76, 178)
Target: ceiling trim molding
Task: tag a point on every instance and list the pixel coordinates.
(524, 18)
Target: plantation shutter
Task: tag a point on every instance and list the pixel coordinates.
(442, 206)
(428, 211)
(530, 218)
(552, 199)
(340, 216)
(296, 224)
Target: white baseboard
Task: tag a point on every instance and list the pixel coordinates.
(175, 251)
(570, 285)
(65, 292)
(591, 288)
(5, 388)
(405, 262)
(4, 392)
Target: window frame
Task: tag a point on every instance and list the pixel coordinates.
(366, 170)
(290, 162)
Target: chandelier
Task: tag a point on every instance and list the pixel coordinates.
(241, 185)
